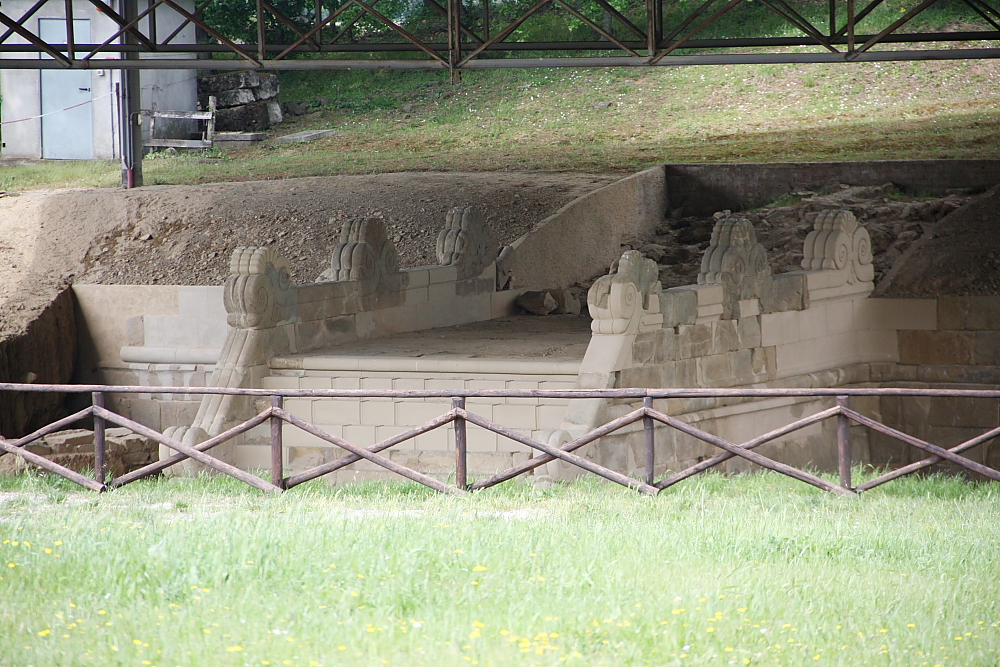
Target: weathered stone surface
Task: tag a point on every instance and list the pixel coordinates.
(678, 306)
(966, 412)
(365, 254)
(74, 449)
(466, 242)
(269, 86)
(735, 260)
(233, 98)
(210, 85)
(644, 348)
(70, 440)
(785, 291)
(749, 332)
(695, 340)
(566, 302)
(936, 347)
(984, 313)
(252, 117)
(952, 311)
(537, 303)
(725, 337)
(987, 348)
(45, 352)
(666, 346)
(838, 243)
(305, 136)
(628, 299)
(274, 112)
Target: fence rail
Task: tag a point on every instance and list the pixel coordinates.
(276, 416)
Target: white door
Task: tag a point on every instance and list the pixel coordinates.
(67, 114)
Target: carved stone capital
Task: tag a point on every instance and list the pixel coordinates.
(365, 254)
(838, 243)
(735, 260)
(466, 242)
(256, 288)
(627, 300)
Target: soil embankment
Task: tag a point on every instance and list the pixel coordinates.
(958, 256)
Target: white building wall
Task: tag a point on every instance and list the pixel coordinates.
(21, 89)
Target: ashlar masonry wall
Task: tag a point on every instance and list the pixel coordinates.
(741, 327)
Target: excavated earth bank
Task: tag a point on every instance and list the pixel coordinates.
(185, 234)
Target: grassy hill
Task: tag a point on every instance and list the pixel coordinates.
(599, 120)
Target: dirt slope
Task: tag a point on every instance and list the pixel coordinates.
(959, 256)
(184, 234)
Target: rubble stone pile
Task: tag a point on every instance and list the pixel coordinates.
(245, 101)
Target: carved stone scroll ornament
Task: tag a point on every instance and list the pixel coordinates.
(365, 254)
(839, 243)
(258, 279)
(627, 300)
(466, 242)
(259, 299)
(735, 259)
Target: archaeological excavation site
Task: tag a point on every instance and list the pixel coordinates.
(462, 330)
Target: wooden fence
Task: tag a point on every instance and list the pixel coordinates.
(275, 415)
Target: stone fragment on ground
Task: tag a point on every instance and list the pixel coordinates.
(74, 449)
(305, 136)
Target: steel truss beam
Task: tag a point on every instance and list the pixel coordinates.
(474, 40)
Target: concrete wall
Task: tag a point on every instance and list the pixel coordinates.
(584, 237)
(168, 89)
(703, 189)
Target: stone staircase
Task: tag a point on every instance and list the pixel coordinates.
(370, 420)
(548, 355)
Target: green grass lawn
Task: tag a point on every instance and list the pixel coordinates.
(557, 120)
(751, 570)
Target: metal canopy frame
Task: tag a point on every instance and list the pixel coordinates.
(646, 39)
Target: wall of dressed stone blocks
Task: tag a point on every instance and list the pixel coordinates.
(839, 341)
(961, 351)
(150, 335)
(369, 420)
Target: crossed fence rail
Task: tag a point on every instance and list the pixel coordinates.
(276, 416)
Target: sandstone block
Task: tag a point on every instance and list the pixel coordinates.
(953, 312)
(748, 330)
(725, 337)
(644, 347)
(984, 313)
(936, 347)
(695, 340)
(678, 306)
(72, 440)
(666, 346)
(785, 291)
(962, 412)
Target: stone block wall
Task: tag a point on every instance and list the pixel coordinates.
(150, 335)
(961, 351)
(44, 352)
(367, 421)
(808, 329)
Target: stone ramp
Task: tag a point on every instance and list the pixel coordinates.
(504, 353)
